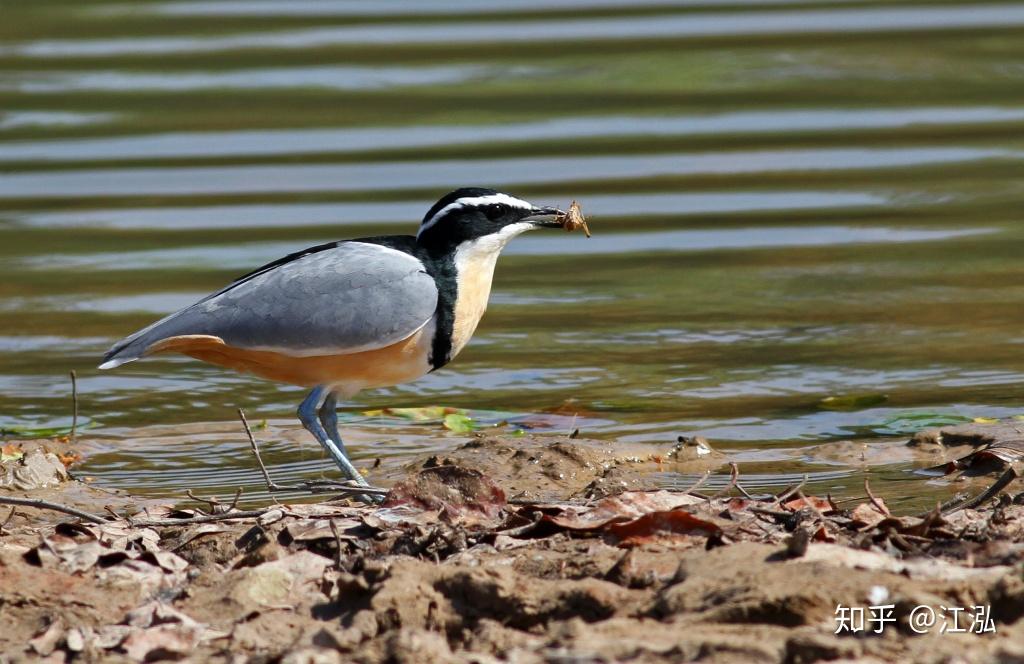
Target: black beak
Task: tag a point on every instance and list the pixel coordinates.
(545, 217)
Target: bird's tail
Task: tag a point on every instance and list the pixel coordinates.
(137, 345)
(117, 356)
(126, 350)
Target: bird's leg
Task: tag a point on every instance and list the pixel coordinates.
(308, 412)
(329, 418)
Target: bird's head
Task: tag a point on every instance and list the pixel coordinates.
(474, 214)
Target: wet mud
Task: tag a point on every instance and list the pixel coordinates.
(523, 549)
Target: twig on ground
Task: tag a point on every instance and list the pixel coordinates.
(928, 519)
(204, 518)
(345, 488)
(699, 483)
(955, 506)
(256, 451)
(739, 487)
(789, 492)
(74, 407)
(10, 516)
(337, 542)
(852, 499)
(234, 501)
(216, 507)
(212, 503)
(777, 514)
(879, 505)
(537, 516)
(810, 503)
(47, 505)
(734, 477)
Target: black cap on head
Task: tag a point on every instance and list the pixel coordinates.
(452, 196)
(471, 213)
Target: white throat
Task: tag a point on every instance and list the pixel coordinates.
(474, 266)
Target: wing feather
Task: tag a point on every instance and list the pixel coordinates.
(352, 297)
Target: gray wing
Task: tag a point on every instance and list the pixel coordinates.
(352, 297)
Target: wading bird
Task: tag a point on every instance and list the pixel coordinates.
(354, 314)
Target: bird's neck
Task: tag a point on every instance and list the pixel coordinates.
(474, 262)
(474, 268)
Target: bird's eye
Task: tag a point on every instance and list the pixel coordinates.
(494, 211)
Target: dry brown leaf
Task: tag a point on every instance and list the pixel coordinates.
(822, 505)
(621, 507)
(867, 515)
(280, 582)
(45, 642)
(658, 525)
(165, 560)
(309, 530)
(69, 458)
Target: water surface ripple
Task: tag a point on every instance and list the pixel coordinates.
(791, 199)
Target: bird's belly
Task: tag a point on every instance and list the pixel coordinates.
(347, 373)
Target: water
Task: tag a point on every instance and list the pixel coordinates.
(791, 200)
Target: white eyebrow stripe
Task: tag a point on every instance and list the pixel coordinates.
(473, 201)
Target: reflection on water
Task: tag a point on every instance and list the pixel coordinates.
(791, 199)
(185, 181)
(413, 7)
(19, 119)
(405, 214)
(340, 78)
(876, 20)
(243, 257)
(299, 141)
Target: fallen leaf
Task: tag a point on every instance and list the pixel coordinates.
(823, 535)
(43, 432)
(912, 422)
(111, 636)
(194, 533)
(321, 511)
(36, 469)
(419, 414)
(69, 458)
(279, 582)
(994, 456)
(45, 642)
(68, 555)
(866, 515)
(1007, 451)
(11, 452)
(621, 507)
(308, 530)
(459, 423)
(74, 640)
(661, 524)
(165, 560)
(156, 613)
(812, 502)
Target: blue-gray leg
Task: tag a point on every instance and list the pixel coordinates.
(329, 418)
(309, 413)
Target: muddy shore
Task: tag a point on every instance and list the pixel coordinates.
(531, 549)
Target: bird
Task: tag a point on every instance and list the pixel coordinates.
(355, 314)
